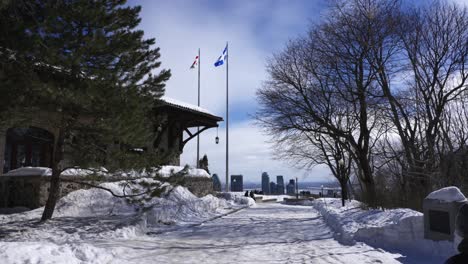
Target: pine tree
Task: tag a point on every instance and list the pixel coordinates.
(93, 73)
(204, 163)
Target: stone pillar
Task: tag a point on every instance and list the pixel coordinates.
(2, 149)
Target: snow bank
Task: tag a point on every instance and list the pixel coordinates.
(95, 202)
(399, 229)
(30, 171)
(95, 215)
(447, 194)
(181, 207)
(167, 170)
(237, 197)
(43, 171)
(177, 205)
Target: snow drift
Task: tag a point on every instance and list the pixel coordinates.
(396, 229)
(177, 205)
(96, 215)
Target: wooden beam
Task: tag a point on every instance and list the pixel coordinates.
(188, 132)
(192, 136)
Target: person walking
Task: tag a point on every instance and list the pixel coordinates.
(252, 195)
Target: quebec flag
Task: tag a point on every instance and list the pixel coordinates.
(221, 58)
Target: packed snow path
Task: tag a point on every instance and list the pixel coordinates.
(266, 233)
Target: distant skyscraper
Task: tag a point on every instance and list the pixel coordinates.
(272, 188)
(291, 187)
(216, 183)
(265, 183)
(279, 184)
(237, 184)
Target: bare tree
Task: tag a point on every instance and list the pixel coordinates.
(306, 150)
(328, 76)
(429, 45)
(399, 79)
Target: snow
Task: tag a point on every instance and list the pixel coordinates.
(268, 233)
(188, 106)
(47, 252)
(43, 171)
(96, 209)
(395, 229)
(165, 171)
(30, 171)
(447, 194)
(237, 197)
(92, 226)
(269, 197)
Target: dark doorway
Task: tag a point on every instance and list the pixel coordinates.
(30, 146)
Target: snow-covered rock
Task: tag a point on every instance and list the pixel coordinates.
(447, 194)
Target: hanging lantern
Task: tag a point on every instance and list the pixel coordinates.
(217, 138)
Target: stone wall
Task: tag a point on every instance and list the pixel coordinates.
(30, 191)
(200, 186)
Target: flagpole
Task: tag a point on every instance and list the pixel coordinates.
(227, 117)
(198, 128)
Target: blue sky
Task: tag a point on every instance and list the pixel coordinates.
(255, 30)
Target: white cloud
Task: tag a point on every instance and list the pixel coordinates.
(461, 2)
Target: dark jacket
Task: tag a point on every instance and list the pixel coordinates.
(461, 258)
(461, 228)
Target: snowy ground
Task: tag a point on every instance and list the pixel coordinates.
(265, 233)
(91, 226)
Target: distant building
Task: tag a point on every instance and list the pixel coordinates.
(291, 187)
(279, 184)
(237, 184)
(265, 183)
(216, 183)
(272, 188)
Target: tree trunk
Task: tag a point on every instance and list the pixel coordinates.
(344, 192)
(54, 189)
(54, 192)
(370, 196)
